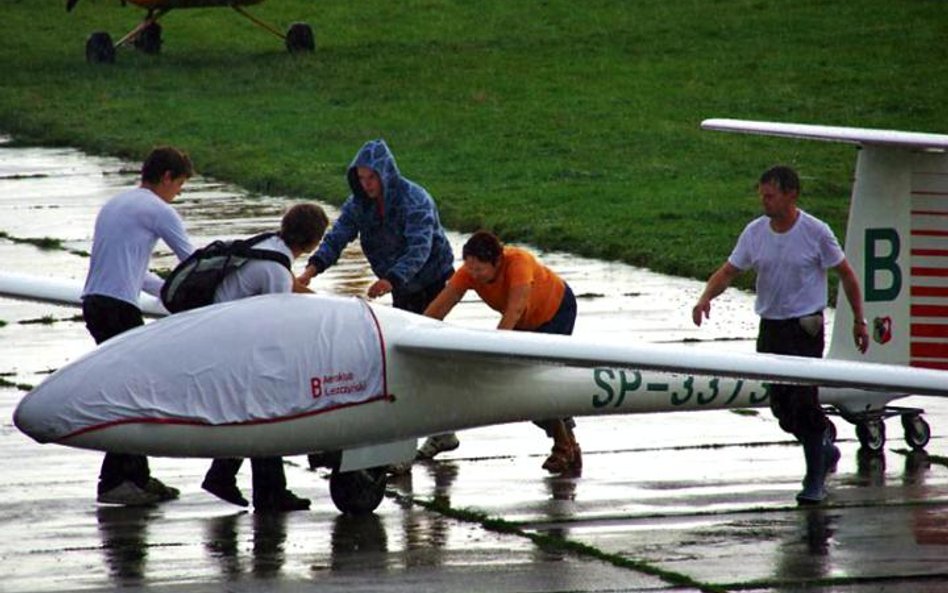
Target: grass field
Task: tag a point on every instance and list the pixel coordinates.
(570, 125)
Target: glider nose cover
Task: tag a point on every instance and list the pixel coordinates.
(261, 359)
(32, 416)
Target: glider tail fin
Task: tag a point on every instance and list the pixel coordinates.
(897, 243)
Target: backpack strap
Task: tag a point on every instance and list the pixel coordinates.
(249, 251)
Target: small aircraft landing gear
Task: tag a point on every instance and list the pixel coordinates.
(299, 38)
(871, 434)
(870, 426)
(917, 431)
(358, 492)
(148, 40)
(99, 48)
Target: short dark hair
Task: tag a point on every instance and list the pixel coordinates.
(166, 159)
(484, 246)
(303, 225)
(785, 178)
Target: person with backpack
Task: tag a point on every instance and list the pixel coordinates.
(301, 229)
(126, 230)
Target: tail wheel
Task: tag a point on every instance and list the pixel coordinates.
(300, 38)
(99, 48)
(871, 434)
(917, 431)
(149, 39)
(358, 492)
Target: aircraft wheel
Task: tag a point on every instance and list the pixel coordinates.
(149, 39)
(99, 48)
(300, 38)
(831, 429)
(359, 492)
(917, 431)
(871, 434)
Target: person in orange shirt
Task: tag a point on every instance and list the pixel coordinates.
(529, 297)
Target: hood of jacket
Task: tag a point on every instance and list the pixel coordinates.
(376, 155)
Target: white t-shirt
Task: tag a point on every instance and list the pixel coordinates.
(126, 231)
(258, 276)
(791, 266)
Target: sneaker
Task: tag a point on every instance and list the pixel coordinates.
(438, 443)
(129, 494)
(159, 489)
(281, 503)
(227, 492)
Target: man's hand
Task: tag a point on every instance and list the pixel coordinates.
(308, 274)
(861, 335)
(700, 312)
(379, 288)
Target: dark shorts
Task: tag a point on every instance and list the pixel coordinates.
(562, 323)
(796, 407)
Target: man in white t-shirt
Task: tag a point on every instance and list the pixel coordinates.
(791, 252)
(126, 230)
(301, 229)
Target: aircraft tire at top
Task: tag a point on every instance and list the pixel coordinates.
(917, 431)
(99, 48)
(148, 40)
(299, 38)
(358, 492)
(871, 434)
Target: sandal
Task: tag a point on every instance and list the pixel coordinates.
(564, 460)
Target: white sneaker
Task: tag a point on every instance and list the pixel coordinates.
(438, 443)
(128, 494)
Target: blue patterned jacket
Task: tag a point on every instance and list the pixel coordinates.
(408, 246)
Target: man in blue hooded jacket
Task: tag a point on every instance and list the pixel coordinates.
(398, 226)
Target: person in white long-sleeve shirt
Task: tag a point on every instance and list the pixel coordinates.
(127, 229)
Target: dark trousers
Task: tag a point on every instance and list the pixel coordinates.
(269, 479)
(562, 323)
(105, 318)
(796, 407)
(417, 301)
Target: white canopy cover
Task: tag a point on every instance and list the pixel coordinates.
(260, 359)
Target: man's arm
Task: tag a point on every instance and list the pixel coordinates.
(516, 305)
(717, 283)
(847, 277)
(343, 232)
(444, 302)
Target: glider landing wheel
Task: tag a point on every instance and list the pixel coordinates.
(358, 492)
(831, 430)
(871, 434)
(299, 38)
(917, 431)
(99, 48)
(148, 40)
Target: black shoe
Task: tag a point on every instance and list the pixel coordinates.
(281, 503)
(161, 490)
(229, 492)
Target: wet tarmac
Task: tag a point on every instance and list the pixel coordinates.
(699, 501)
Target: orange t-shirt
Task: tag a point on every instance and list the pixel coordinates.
(517, 268)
